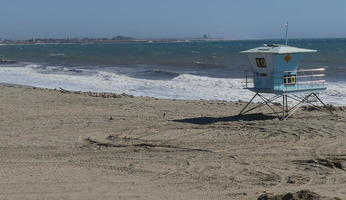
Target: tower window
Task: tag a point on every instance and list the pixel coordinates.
(290, 79)
(261, 62)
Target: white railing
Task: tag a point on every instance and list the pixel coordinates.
(304, 78)
(297, 79)
(248, 83)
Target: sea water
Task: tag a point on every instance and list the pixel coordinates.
(180, 70)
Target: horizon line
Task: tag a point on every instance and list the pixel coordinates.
(168, 38)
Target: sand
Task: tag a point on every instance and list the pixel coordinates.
(61, 145)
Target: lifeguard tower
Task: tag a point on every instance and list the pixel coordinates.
(275, 69)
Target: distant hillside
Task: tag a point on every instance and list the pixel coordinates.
(120, 37)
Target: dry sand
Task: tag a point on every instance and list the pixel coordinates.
(56, 145)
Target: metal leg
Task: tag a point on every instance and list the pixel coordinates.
(286, 111)
(294, 108)
(257, 106)
(324, 105)
(266, 101)
(263, 103)
(315, 106)
(242, 111)
(298, 99)
(307, 102)
(283, 107)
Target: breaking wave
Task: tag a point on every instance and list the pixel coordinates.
(179, 86)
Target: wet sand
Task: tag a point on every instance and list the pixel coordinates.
(61, 145)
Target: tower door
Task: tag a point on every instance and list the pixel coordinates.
(262, 80)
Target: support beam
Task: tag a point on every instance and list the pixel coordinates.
(286, 111)
(243, 111)
(324, 105)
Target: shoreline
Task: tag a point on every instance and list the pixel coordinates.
(60, 144)
(117, 95)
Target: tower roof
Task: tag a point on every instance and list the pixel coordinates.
(278, 49)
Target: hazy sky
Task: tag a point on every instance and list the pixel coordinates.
(231, 19)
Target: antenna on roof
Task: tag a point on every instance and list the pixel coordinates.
(286, 41)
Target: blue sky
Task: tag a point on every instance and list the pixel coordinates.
(231, 19)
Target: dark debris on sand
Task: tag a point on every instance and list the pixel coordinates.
(97, 94)
(329, 107)
(327, 163)
(300, 195)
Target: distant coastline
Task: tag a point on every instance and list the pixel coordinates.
(101, 40)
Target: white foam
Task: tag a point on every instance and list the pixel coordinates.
(184, 86)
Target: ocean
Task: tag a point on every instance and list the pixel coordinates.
(211, 70)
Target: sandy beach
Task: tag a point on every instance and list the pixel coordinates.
(61, 145)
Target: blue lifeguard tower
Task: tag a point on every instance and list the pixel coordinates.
(275, 69)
